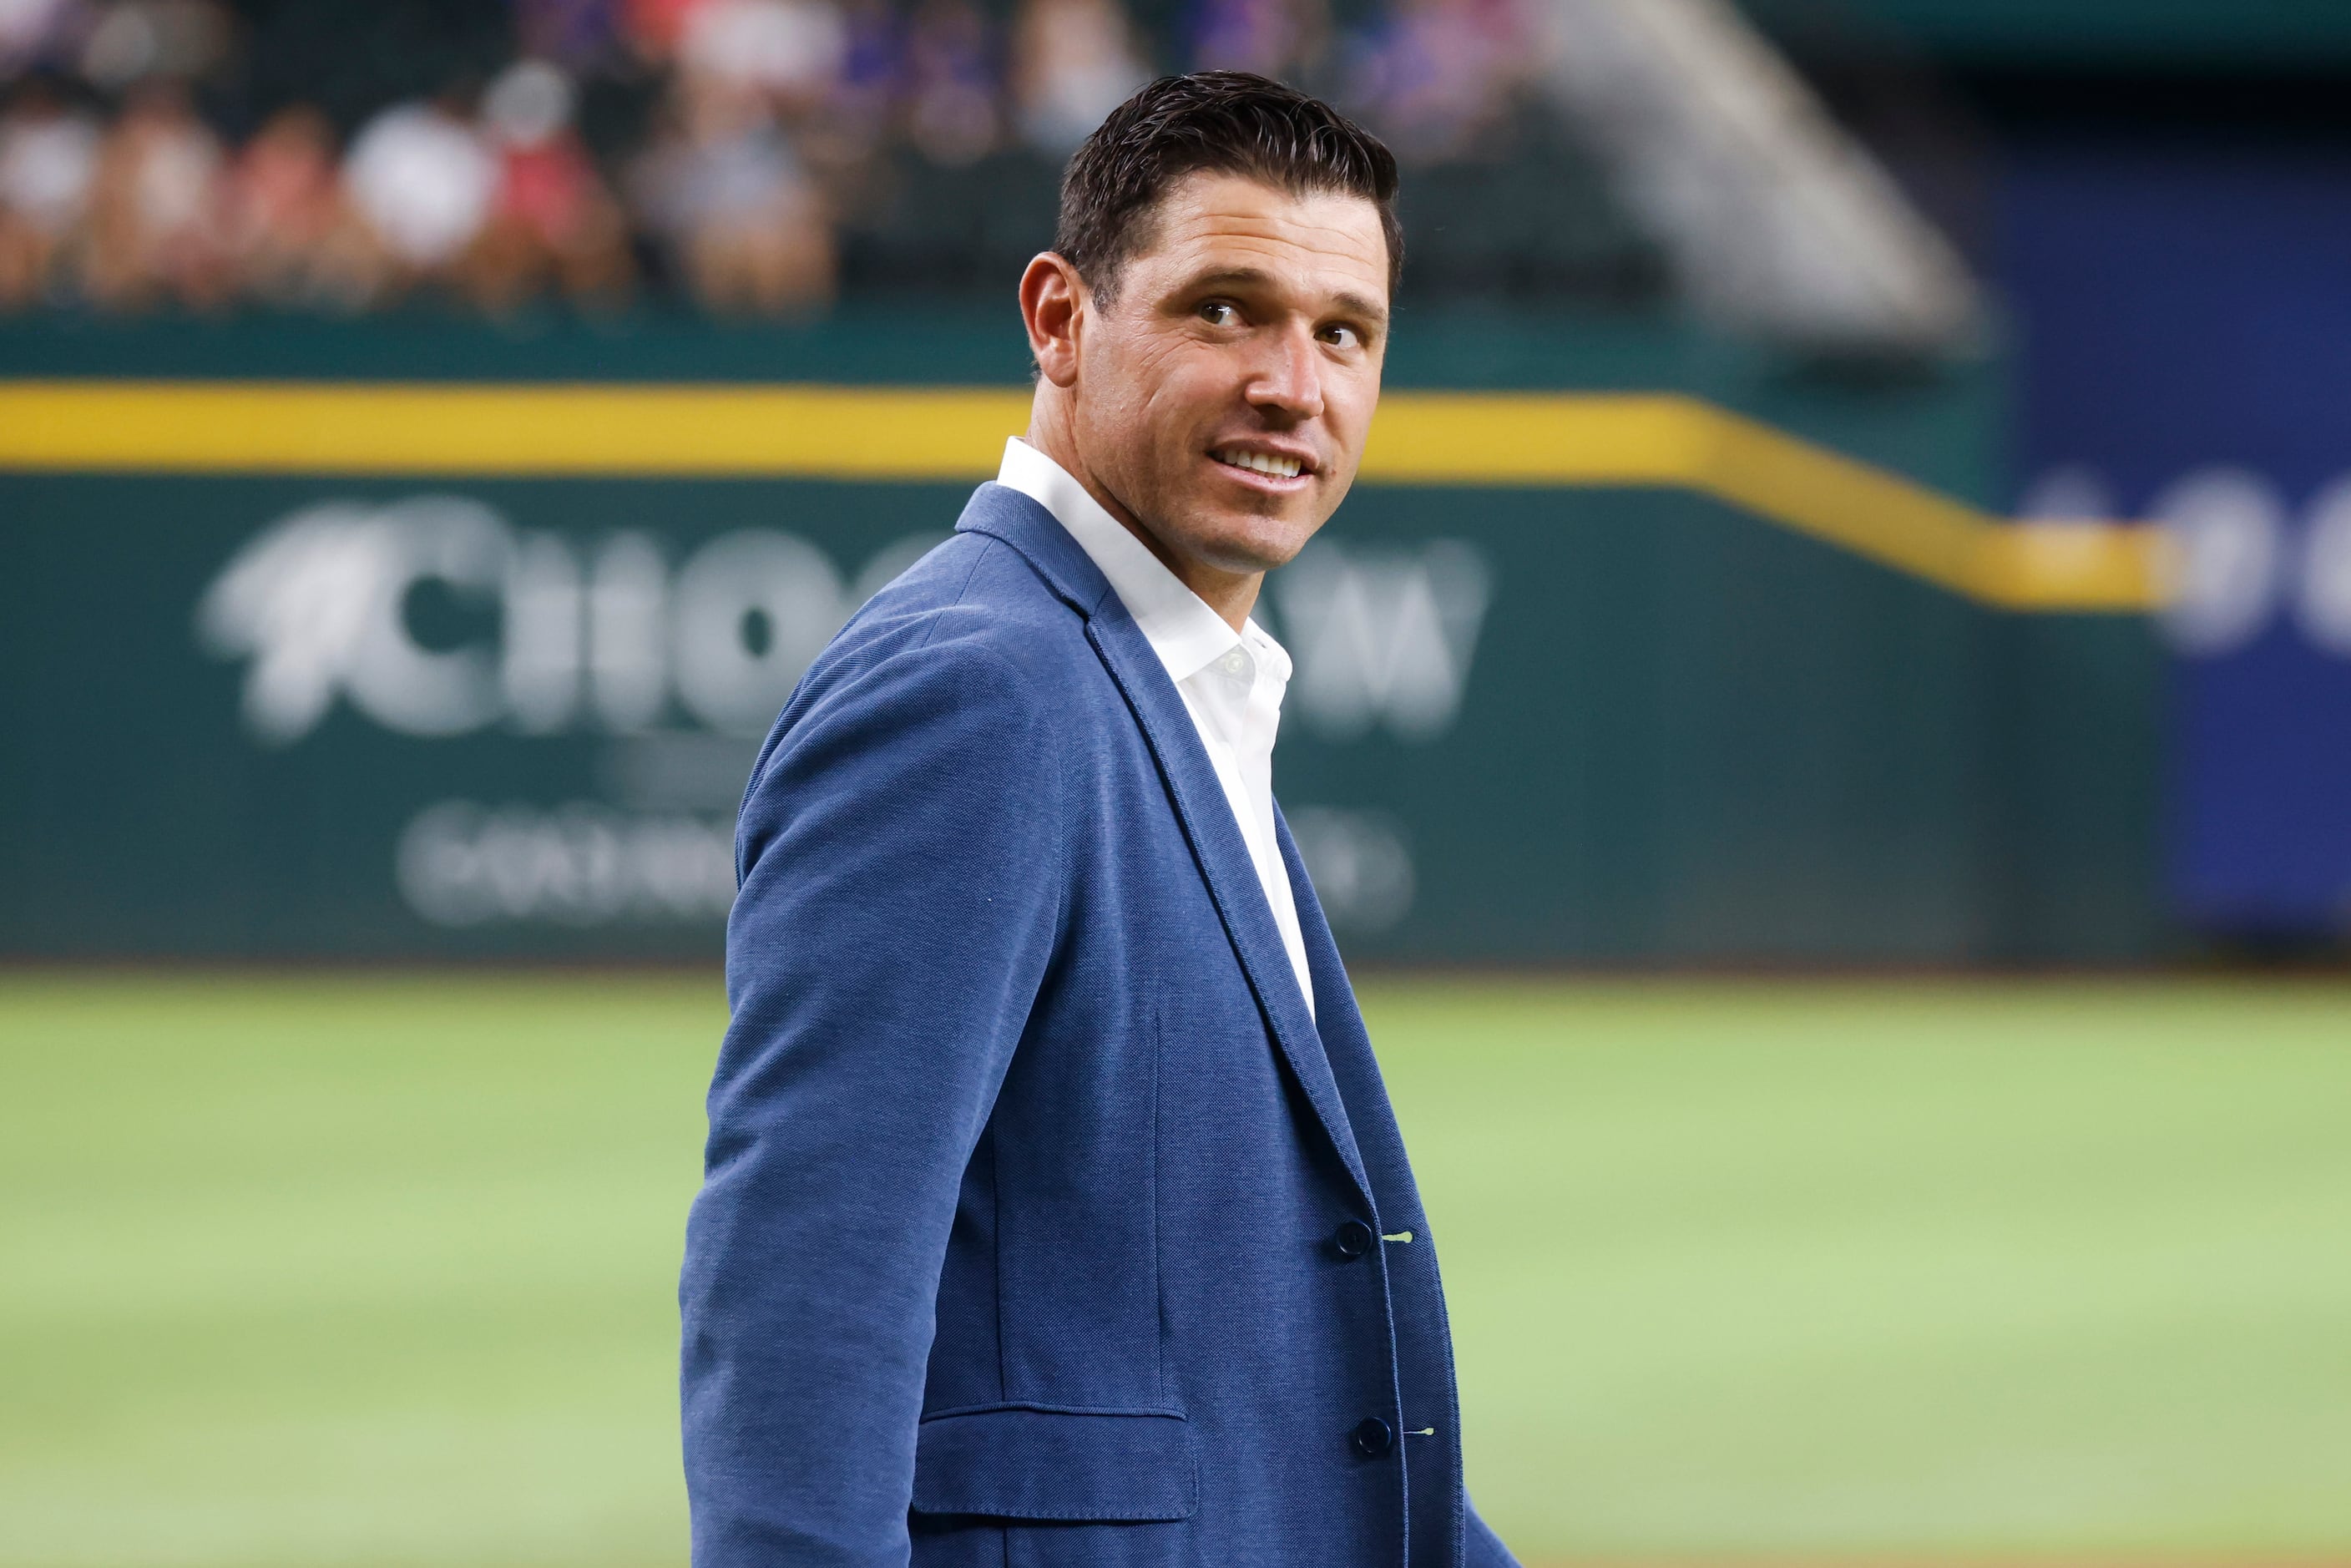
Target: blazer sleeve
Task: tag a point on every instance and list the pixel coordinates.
(900, 861)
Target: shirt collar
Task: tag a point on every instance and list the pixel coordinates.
(1182, 630)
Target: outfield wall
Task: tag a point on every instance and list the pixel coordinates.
(417, 639)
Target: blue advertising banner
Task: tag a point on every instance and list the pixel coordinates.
(2187, 360)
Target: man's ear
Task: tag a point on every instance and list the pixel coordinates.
(1054, 304)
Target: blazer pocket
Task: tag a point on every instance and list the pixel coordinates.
(1013, 1461)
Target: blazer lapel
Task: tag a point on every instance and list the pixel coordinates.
(1191, 778)
(1347, 1044)
(1424, 1350)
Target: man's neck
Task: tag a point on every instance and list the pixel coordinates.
(1232, 595)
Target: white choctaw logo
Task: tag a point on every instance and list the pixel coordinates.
(1382, 635)
(320, 603)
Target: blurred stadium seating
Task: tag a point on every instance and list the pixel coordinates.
(757, 156)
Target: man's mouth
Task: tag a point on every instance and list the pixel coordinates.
(1273, 466)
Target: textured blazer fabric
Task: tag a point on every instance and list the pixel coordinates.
(1041, 1225)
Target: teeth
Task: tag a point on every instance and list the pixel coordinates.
(1260, 461)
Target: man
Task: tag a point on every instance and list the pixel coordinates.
(1055, 1214)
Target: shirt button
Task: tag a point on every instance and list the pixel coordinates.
(1234, 662)
(1353, 1239)
(1373, 1437)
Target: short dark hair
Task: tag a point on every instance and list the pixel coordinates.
(1222, 122)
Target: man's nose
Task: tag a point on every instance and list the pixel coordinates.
(1288, 379)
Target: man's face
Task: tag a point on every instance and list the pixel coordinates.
(1223, 394)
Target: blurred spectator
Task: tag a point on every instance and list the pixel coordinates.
(739, 216)
(1285, 39)
(872, 64)
(154, 230)
(48, 158)
(789, 49)
(38, 32)
(654, 27)
(1074, 61)
(951, 85)
(135, 40)
(1443, 74)
(295, 238)
(578, 35)
(842, 140)
(553, 220)
(422, 180)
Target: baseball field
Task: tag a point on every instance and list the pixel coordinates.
(379, 1270)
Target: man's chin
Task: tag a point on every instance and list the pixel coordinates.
(1250, 545)
(1247, 533)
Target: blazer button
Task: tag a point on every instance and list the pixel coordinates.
(1373, 1437)
(1353, 1239)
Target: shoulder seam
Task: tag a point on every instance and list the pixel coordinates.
(963, 589)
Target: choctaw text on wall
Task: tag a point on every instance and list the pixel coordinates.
(432, 617)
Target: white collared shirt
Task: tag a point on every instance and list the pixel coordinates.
(1231, 682)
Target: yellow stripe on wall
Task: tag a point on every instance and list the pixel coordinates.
(229, 428)
(1616, 439)
(958, 434)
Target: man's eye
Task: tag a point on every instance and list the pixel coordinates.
(1216, 313)
(1342, 337)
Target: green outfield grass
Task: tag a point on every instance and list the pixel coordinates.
(380, 1271)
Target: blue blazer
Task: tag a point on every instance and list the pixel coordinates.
(1041, 1225)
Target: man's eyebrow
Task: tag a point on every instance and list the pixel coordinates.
(1240, 277)
(1369, 312)
(1362, 306)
